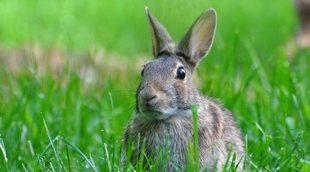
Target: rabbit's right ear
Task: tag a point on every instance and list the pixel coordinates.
(161, 40)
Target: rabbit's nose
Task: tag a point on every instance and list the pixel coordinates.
(149, 99)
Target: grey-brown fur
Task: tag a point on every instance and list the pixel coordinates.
(163, 118)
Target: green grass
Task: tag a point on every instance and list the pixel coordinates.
(247, 70)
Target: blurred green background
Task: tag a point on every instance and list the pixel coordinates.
(122, 26)
(101, 46)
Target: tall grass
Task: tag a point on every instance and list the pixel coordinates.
(247, 70)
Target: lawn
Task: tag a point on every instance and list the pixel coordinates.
(69, 70)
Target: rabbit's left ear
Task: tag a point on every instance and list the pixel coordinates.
(198, 40)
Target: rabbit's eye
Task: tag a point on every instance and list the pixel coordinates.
(142, 71)
(181, 73)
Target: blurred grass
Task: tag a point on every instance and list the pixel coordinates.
(122, 26)
(247, 70)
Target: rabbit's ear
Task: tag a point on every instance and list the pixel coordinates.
(198, 40)
(161, 39)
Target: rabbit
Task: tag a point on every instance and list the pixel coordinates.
(162, 122)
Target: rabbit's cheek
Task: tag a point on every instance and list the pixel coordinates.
(167, 100)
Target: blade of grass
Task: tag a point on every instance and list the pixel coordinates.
(72, 146)
(31, 150)
(68, 158)
(195, 132)
(107, 156)
(24, 168)
(111, 101)
(80, 152)
(142, 156)
(53, 146)
(2, 147)
(91, 159)
(52, 167)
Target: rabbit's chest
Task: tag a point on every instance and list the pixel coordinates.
(170, 138)
(164, 142)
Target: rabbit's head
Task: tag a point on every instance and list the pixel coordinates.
(166, 87)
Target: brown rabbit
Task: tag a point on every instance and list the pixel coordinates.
(163, 122)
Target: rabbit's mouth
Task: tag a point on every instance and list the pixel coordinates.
(160, 115)
(153, 109)
(155, 112)
(151, 114)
